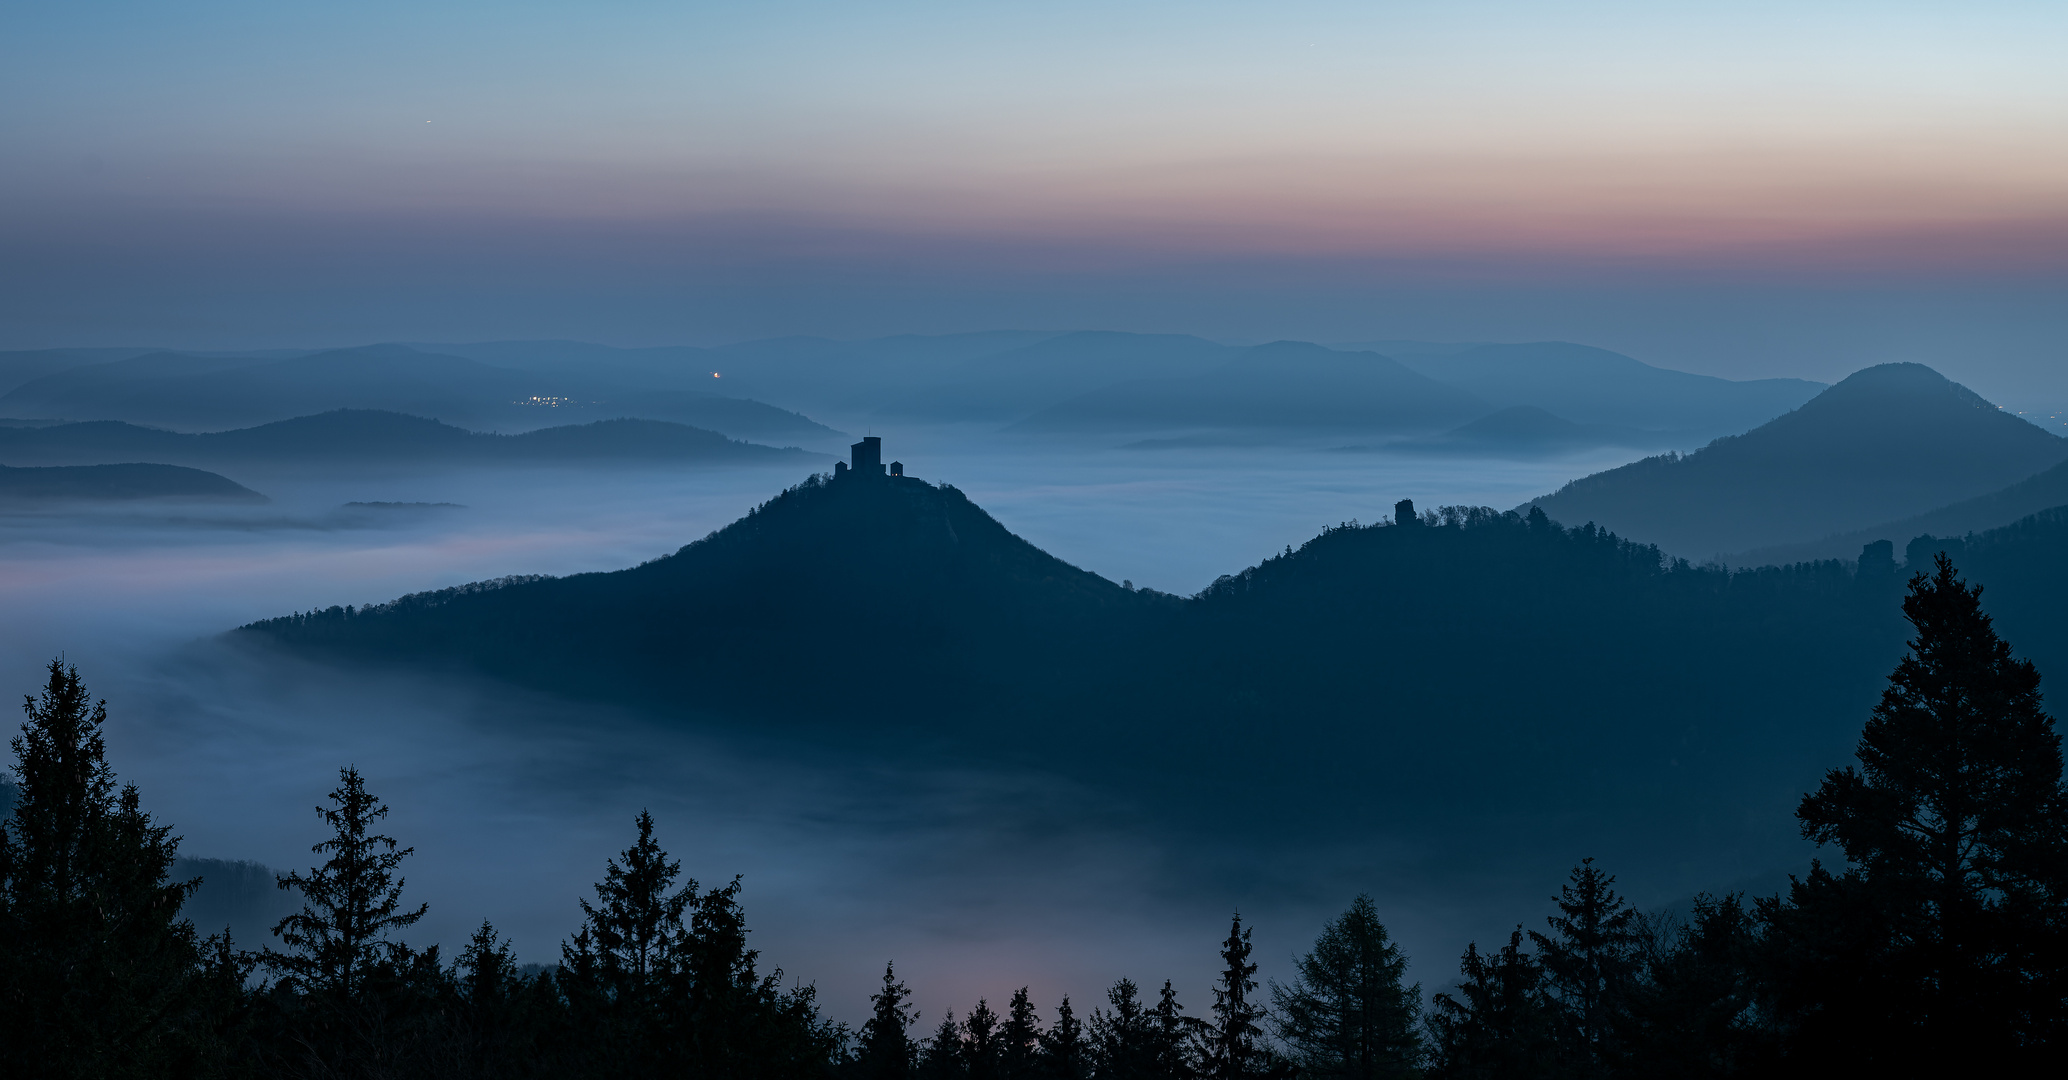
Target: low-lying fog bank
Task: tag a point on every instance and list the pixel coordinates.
(976, 880)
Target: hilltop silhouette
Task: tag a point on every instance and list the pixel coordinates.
(1887, 442)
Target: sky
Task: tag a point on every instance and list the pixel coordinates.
(1745, 189)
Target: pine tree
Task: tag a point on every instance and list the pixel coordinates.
(1499, 1024)
(97, 970)
(1941, 944)
(1065, 1054)
(1232, 1050)
(1019, 1038)
(886, 1051)
(1346, 1014)
(1589, 962)
(350, 904)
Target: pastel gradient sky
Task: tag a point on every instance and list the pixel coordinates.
(1743, 187)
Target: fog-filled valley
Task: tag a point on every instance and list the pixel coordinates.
(1107, 661)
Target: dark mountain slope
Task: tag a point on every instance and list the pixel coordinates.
(370, 436)
(857, 603)
(118, 482)
(1887, 442)
(1284, 385)
(1596, 386)
(1998, 508)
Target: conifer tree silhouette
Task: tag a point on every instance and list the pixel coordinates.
(1499, 1023)
(1232, 1047)
(350, 904)
(1065, 1054)
(1123, 1041)
(1940, 946)
(1346, 1014)
(1173, 1038)
(1019, 1038)
(1589, 962)
(886, 1051)
(95, 963)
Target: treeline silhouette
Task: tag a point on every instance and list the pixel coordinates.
(1939, 947)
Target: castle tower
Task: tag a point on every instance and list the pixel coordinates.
(868, 456)
(1404, 513)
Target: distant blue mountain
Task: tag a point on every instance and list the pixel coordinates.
(1887, 442)
(1284, 385)
(359, 435)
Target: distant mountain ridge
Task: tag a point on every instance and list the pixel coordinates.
(1591, 386)
(195, 391)
(375, 436)
(1886, 442)
(117, 482)
(1285, 385)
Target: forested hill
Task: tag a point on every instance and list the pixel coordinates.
(1888, 442)
(1377, 673)
(885, 599)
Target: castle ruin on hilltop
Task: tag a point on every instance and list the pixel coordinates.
(867, 458)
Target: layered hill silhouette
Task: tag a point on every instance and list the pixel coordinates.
(1284, 385)
(1376, 674)
(359, 435)
(202, 391)
(1888, 442)
(1591, 386)
(122, 482)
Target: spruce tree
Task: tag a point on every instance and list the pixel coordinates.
(1174, 1037)
(1065, 1053)
(980, 1043)
(1346, 1014)
(886, 1051)
(1940, 945)
(1699, 1012)
(1232, 1048)
(351, 903)
(356, 1001)
(620, 966)
(1019, 1038)
(1590, 960)
(1499, 1024)
(1124, 1040)
(943, 1057)
(97, 969)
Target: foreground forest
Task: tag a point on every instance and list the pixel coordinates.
(1936, 944)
